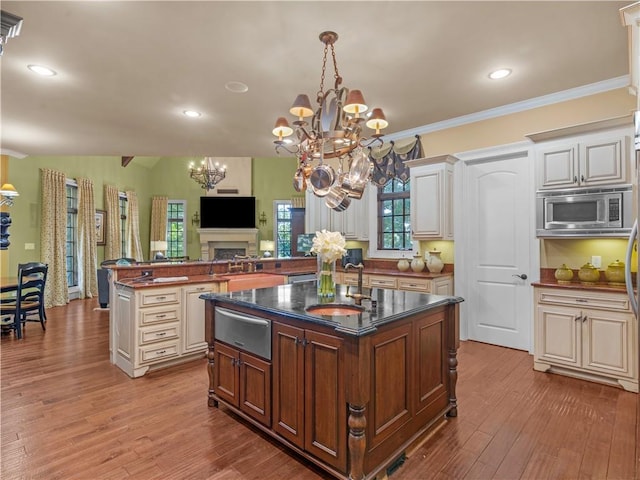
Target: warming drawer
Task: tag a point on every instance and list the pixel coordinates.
(243, 331)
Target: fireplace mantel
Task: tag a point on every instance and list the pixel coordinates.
(212, 238)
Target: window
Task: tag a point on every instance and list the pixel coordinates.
(176, 238)
(283, 228)
(123, 224)
(72, 234)
(394, 216)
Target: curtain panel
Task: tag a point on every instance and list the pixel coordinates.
(159, 207)
(87, 240)
(113, 239)
(53, 236)
(134, 247)
(388, 160)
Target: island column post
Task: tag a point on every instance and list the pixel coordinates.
(358, 391)
(453, 312)
(209, 335)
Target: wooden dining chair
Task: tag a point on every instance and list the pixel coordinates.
(27, 297)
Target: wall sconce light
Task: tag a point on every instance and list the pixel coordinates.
(263, 218)
(195, 220)
(8, 192)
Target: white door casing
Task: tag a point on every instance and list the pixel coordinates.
(496, 216)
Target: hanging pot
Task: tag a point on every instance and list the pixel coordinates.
(354, 190)
(321, 179)
(337, 199)
(359, 168)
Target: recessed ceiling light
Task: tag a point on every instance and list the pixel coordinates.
(236, 87)
(502, 73)
(192, 113)
(42, 70)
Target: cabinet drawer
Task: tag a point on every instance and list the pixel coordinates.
(415, 285)
(151, 316)
(155, 353)
(159, 297)
(606, 302)
(382, 282)
(158, 334)
(352, 279)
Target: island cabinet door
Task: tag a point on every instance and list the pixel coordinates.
(431, 364)
(226, 375)
(288, 382)
(255, 387)
(325, 400)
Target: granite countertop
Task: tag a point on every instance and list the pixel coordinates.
(138, 283)
(597, 287)
(397, 273)
(292, 300)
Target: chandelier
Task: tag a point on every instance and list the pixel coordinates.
(333, 131)
(208, 174)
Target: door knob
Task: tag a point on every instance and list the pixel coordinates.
(522, 276)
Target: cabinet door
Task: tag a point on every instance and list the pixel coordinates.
(443, 286)
(288, 382)
(124, 325)
(558, 166)
(193, 318)
(316, 215)
(607, 342)
(325, 403)
(558, 335)
(431, 363)
(602, 161)
(427, 203)
(255, 388)
(226, 373)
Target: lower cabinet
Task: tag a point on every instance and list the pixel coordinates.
(244, 381)
(442, 285)
(587, 334)
(309, 403)
(157, 326)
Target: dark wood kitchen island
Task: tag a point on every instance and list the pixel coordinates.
(350, 392)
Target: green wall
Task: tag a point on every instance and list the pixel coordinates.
(272, 180)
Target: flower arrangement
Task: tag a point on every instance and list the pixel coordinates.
(329, 247)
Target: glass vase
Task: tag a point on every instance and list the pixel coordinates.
(326, 278)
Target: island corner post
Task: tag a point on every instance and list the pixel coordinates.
(376, 431)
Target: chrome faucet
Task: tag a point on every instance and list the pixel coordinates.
(359, 296)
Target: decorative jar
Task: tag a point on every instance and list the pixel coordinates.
(588, 274)
(403, 264)
(615, 273)
(563, 274)
(434, 262)
(417, 264)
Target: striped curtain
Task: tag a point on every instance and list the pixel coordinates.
(134, 247)
(113, 245)
(53, 236)
(159, 206)
(87, 240)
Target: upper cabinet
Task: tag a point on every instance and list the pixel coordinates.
(567, 158)
(432, 197)
(352, 222)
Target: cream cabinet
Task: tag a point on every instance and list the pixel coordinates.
(432, 197)
(353, 222)
(442, 285)
(586, 334)
(585, 160)
(157, 326)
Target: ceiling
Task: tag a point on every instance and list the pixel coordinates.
(127, 70)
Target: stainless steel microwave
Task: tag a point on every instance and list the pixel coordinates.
(585, 212)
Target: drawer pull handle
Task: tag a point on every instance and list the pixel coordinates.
(582, 300)
(161, 334)
(584, 318)
(162, 315)
(578, 317)
(161, 352)
(161, 298)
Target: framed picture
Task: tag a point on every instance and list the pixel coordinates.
(101, 226)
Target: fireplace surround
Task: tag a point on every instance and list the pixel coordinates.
(212, 239)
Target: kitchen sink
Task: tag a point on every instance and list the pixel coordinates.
(334, 309)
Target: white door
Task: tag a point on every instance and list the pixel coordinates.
(497, 201)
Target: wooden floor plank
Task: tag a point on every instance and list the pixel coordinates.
(67, 413)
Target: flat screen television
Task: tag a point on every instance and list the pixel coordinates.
(227, 212)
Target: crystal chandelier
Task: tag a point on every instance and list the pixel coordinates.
(208, 174)
(333, 131)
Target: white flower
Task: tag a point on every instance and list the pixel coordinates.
(329, 245)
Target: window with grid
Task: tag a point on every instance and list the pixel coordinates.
(72, 235)
(123, 224)
(283, 228)
(176, 233)
(394, 216)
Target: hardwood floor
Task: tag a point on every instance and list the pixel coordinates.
(67, 413)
